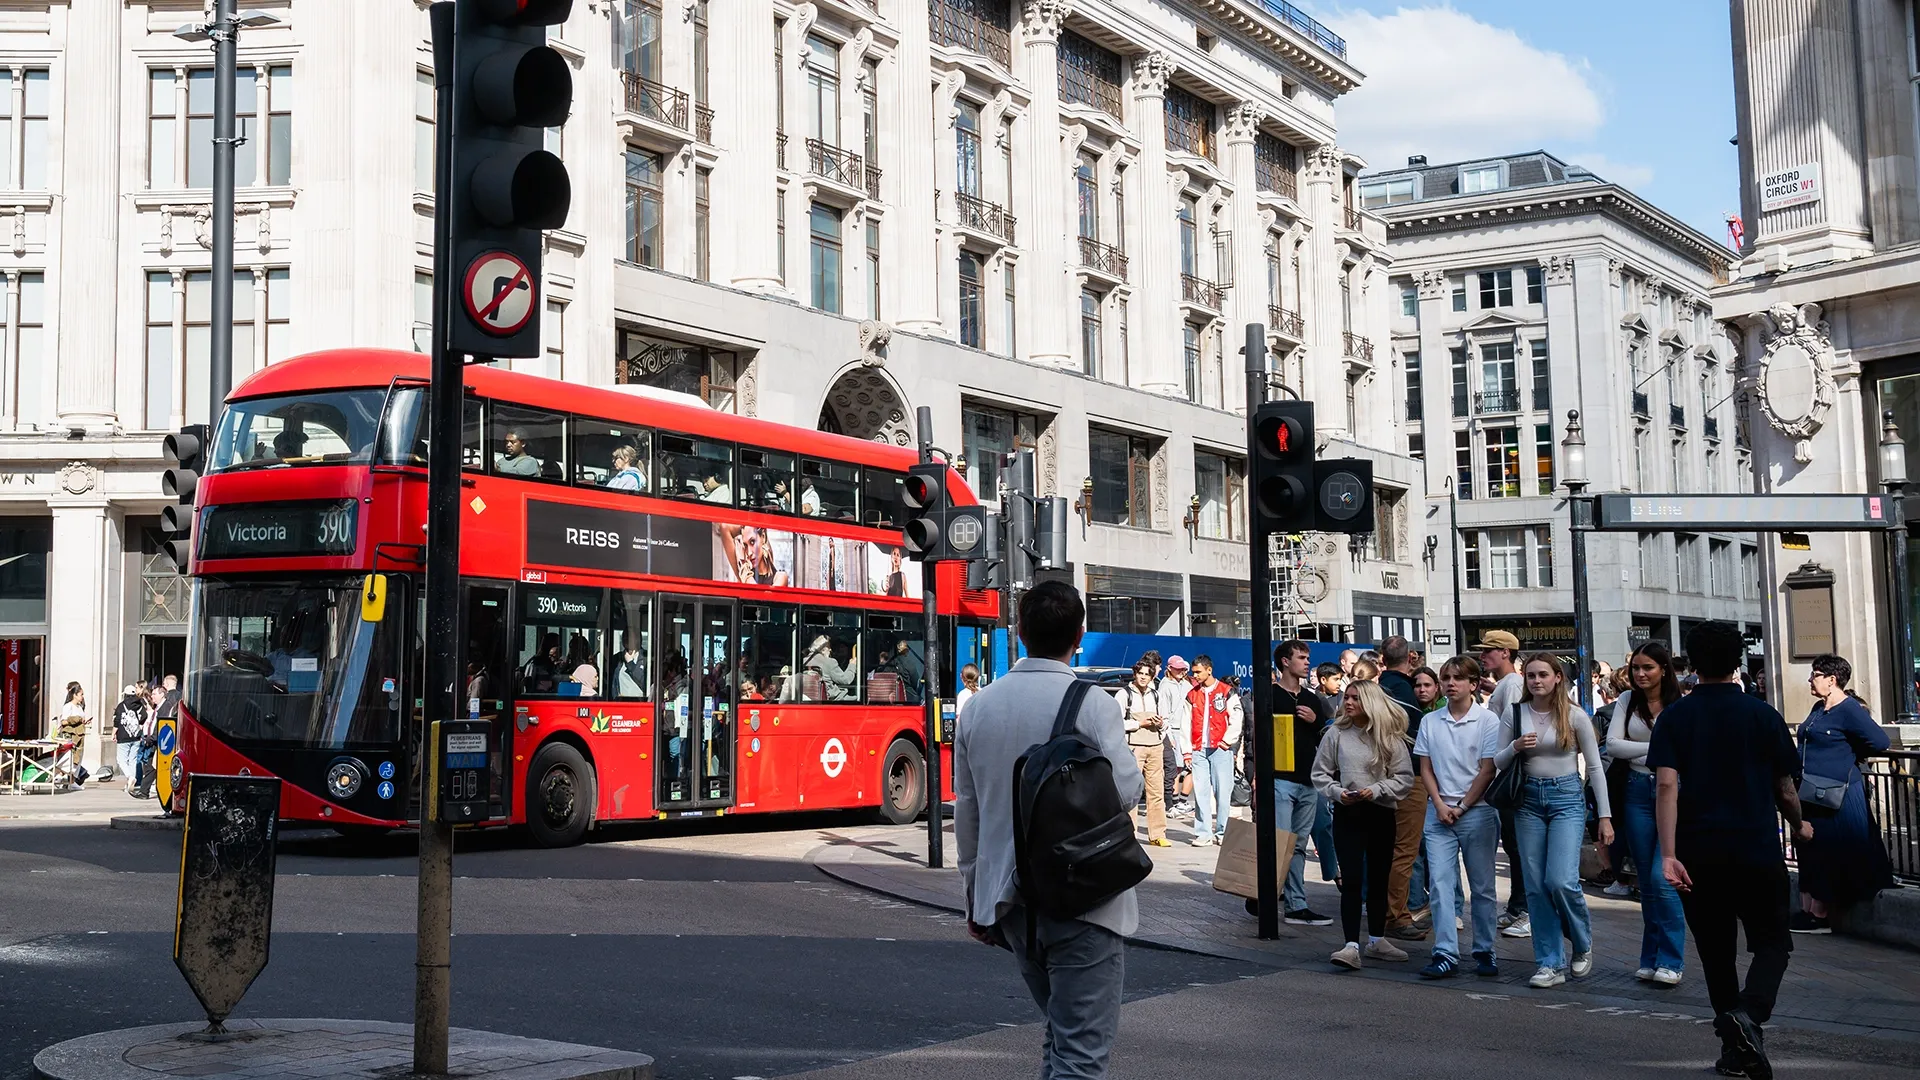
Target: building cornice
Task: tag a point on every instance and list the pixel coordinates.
(1290, 44)
(1557, 201)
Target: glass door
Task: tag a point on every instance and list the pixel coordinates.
(699, 682)
(485, 674)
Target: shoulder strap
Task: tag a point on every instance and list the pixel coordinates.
(1069, 712)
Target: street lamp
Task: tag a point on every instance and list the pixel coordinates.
(1579, 520)
(1893, 477)
(224, 32)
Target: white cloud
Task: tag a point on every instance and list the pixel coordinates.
(1618, 172)
(1442, 83)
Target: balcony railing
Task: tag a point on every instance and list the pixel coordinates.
(1352, 218)
(1357, 347)
(1640, 405)
(1677, 416)
(703, 123)
(873, 182)
(1198, 290)
(950, 22)
(979, 214)
(655, 101)
(1282, 321)
(780, 150)
(1497, 401)
(830, 162)
(1275, 177)
(1306, 24)
(1104, 258)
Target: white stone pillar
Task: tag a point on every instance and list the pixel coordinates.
(1324, 374)
(743, 42)
(1158, 360)
(177, 334)
(89, 214)
(908, 240)
(1248, 302)
(76, 611)
(1043, 231)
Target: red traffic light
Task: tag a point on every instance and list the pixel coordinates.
(922, 490)
(524, 12)
(1283, 437)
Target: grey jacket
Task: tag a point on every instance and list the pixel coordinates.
(1006, 718)
(1345, 763)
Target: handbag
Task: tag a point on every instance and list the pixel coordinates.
(1822, 791)
(1509, 784)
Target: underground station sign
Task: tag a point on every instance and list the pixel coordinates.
(1743, 513)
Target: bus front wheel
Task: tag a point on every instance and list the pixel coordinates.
(560, 796)
(903, 777)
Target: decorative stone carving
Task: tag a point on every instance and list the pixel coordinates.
(1269, 217)
(1072, 138)
(1177, 181)
(78, 477)
(875, 337)
(1322, 164)
(1047, 460)
(263, 233)
(1042, 20)
(855, 53)
(1796, 384)
(1559, 269)
(803, 20)
(203, 226)
(865, 404)
(166, 230)
(1433, 284)
(1614, 266)
(1243, 121)
(1364, 271)
(1151, 72)
(749, 388)
(947, 95)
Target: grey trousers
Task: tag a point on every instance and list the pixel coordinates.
(1076, 974)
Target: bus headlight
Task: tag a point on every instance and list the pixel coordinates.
(345, 777)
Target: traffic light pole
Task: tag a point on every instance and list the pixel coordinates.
(1260, 724)
(433, 956)
(225, 31)
(930, 617)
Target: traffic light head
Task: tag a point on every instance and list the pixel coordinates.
(1282, 461)
(924, 493)
(185, 452)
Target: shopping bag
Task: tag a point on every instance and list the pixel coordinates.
(1238, 870)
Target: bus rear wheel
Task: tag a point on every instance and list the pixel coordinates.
(560, 796)
(903, 778)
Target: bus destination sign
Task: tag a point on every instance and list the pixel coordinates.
(262, 530)
(595, 538)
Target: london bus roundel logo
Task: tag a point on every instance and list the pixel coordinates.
(833, 757)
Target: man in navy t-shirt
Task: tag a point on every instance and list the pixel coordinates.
(1725, 764)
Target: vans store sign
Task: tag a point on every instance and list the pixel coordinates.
(1790, 187)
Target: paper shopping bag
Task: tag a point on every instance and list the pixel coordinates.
(1238, 870)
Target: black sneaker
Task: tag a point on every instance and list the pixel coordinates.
(1307, 917)
(1484, 966)
(1803, 923)
(1744, 1043)
(1440, 966)
(1729, 1063)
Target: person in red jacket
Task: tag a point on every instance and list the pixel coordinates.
(1210, 741)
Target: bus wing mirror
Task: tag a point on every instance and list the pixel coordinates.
(373, 598)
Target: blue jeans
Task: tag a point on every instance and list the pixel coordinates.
(1417, 884)
(128, 754)
(1473, 839)
(1295, 808)
(1663, 940)
(1212, 791)
(1550, 826)
(1323, 840)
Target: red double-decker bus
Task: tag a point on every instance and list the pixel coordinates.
(666, 611)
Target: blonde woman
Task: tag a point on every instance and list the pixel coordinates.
(1365, 670)
(1363, 767)
(1553, 736)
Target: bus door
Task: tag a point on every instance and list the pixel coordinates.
(698, 675)
(486, 667)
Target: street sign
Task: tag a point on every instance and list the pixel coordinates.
(224, 920)
(1742, 513)
(499, 293)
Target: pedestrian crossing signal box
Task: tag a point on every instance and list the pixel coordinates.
(461, 763)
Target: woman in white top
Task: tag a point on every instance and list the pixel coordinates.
(1552, 737)
(969, 685)
(1663, 934)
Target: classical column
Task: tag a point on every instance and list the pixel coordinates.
(1248, 303)
(1160, 354)
(1324, 374)
(908, 241)
(1043, 225)
(741, 109)
(89, 214)
(77, 636)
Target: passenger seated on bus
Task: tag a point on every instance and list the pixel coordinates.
(516, 461)
(584, 682)
(836, 678)
(780, 498)
(291, 442)
(809, 499)
(541, 673)
(630, 670)
(626, 470)
(713, 491)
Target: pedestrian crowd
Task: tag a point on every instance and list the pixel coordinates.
(136, 728)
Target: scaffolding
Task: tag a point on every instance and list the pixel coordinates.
(1296, 586)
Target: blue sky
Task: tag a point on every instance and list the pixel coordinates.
(1639, 91)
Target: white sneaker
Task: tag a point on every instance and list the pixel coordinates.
(1348, 956)
(1583, 964)
(1666, 977)
(1202, 841)
(1521, 927)
(1618, 889)
(1546, 978)
(1644, 974)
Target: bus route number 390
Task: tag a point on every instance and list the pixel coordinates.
(335, 529)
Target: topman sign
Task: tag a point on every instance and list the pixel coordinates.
(1742, 513)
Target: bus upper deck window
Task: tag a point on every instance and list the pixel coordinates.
(527, 443)
(766, 480)
(829, 489)
(882, 502)
(689, 468)
(472, 453)
(616, 457)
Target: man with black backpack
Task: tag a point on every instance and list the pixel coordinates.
(1043, 790)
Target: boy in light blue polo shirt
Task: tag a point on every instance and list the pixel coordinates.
(1455, 749)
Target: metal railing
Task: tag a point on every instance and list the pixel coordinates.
(1459, 402)
(1640, 404)
(1711, 428)
(1275, 177)
(1282, 321)
(1497, 401)
(1352, 218)
(656, 101)
(1308, 25)
(977, 213)
(1357, 347)
(830, 162)
(703, 123)
(780, 149)
(873, 181)
(1891, 780)
(952, 23)
(1542, 398)
(1677, 416)
(1104, 258)
(1198, 290)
